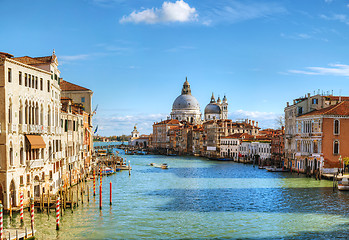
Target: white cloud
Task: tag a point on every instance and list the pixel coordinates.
(235, 11)
(178, 11)
(109, 124)
(336, 17)
(334, 69)
(74, 57)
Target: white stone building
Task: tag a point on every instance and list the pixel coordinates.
(30, 132)
(252, 148)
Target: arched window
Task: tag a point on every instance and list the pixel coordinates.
(336, 147)
(49, 116)
(21, 154)
(20, 117)
(42, 115)
(11, 154)
(26, 113)
(336, 127)
(10, 112)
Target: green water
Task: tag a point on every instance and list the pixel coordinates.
(202, 199)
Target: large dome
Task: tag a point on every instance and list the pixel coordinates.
(212, 109)
(185, 101)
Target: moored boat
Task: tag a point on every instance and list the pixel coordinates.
(343, 185)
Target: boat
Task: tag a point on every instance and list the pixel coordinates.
(276, 169)
(162, 166)
(343, 185)
(107, 171)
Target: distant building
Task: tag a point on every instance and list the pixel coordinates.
(138, 140)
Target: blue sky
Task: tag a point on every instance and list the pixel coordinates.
(136, 54)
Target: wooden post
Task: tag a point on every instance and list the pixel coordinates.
(1, 221)
(88, 194)
(82, 193)
(94, 183)
(10, 207)
(57, 213)
(32, 214)
(100, 197)
(48, 202)
(21, 210)
(129, 168)
(110, 187)
(42, 202)
(77, 196)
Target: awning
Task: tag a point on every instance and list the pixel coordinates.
(36, 141)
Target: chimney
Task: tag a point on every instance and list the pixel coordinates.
(249, 122)
(246, 120)
(256, 124)
(288, 104)
(253, 123)
(308, 95)
(294, 101)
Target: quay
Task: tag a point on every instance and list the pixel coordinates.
(18, 234)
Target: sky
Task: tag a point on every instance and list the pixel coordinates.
(135, 54)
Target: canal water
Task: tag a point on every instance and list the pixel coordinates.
(201, 199)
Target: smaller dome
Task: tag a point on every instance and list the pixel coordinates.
(212, 109)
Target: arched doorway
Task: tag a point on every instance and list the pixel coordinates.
(36, 186)
(13, 194)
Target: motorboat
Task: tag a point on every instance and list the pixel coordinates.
(162, 166)
(343, 185)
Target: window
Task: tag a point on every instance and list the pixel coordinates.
(300, 110)
(36, 82)
(336, 147)
(20, 78)
(9, 75)
(41, 84)
(29, 80)
(336, 127)
(25, 79)
(28, 178)
(21, 182)
(315, 101)
(48, 85)
(82, 99)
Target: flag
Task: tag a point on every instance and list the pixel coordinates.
(95, 130)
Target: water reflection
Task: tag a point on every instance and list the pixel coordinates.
(200, 199)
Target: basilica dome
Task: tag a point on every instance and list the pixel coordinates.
(186, 102)
(185, 107)
(212, 108)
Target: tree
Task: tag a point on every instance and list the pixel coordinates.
(280, 121)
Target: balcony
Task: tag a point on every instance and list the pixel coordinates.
(12, 128)
(38, 163)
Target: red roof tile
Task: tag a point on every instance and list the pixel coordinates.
(67, 86)
(340, 109)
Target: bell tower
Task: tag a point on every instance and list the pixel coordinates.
(224, 108)
(135, 133)
(186, 87)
